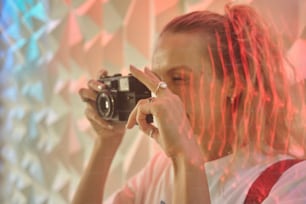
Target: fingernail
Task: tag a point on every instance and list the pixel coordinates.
(132, 67)
(89, 82)
(110, 127)
(85, 100)
(101, 72)
(99, 87)
(127, 126)
(80, 93)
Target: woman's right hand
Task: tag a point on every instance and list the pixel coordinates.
(106, 130)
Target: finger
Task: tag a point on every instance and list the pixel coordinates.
(87, 95)
(141, 115)
(132, 120)
(143, 77)
(141, 112)
(102, 73)
(96, 85)
(152, 74)
(153, 132)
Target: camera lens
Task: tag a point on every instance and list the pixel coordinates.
(105, 105)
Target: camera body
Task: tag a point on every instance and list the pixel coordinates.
(120, 96)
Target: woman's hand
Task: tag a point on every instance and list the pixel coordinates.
(174, 132)
(104, 129)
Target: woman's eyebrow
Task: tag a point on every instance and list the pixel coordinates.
(174, 69)
(180, 68)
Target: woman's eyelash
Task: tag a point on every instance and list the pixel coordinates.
(184, 79)
(176, 78)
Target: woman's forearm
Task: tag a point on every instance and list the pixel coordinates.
(91, 186)
(190, 181)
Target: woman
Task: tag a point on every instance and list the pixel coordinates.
(223, 114)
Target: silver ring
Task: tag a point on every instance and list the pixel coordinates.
(100, 87)
(162, 85)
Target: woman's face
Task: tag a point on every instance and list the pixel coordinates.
(179, 60)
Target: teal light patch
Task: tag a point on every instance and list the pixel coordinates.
(34, 91)
(21, 5)
(39, 12)
(14, 31)
(32, 50)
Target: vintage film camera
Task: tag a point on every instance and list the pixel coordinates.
(120, 96)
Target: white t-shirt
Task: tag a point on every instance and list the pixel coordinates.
(153, 185)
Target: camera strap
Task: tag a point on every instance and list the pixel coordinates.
(262, 186)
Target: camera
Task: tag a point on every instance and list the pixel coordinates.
(117, 100)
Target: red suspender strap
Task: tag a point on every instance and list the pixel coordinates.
(262, 186)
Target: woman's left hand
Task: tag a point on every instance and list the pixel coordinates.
(174, 132)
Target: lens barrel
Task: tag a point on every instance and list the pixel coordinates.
(105, 105)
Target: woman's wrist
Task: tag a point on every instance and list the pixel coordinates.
(109, 137)
(188, 160)
(191, 155)
(186, 148)
(107, 146)
(190, 178)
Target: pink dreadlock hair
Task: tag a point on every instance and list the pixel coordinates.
(264, 112)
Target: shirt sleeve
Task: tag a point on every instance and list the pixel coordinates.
(291, 186)
(124, 195)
